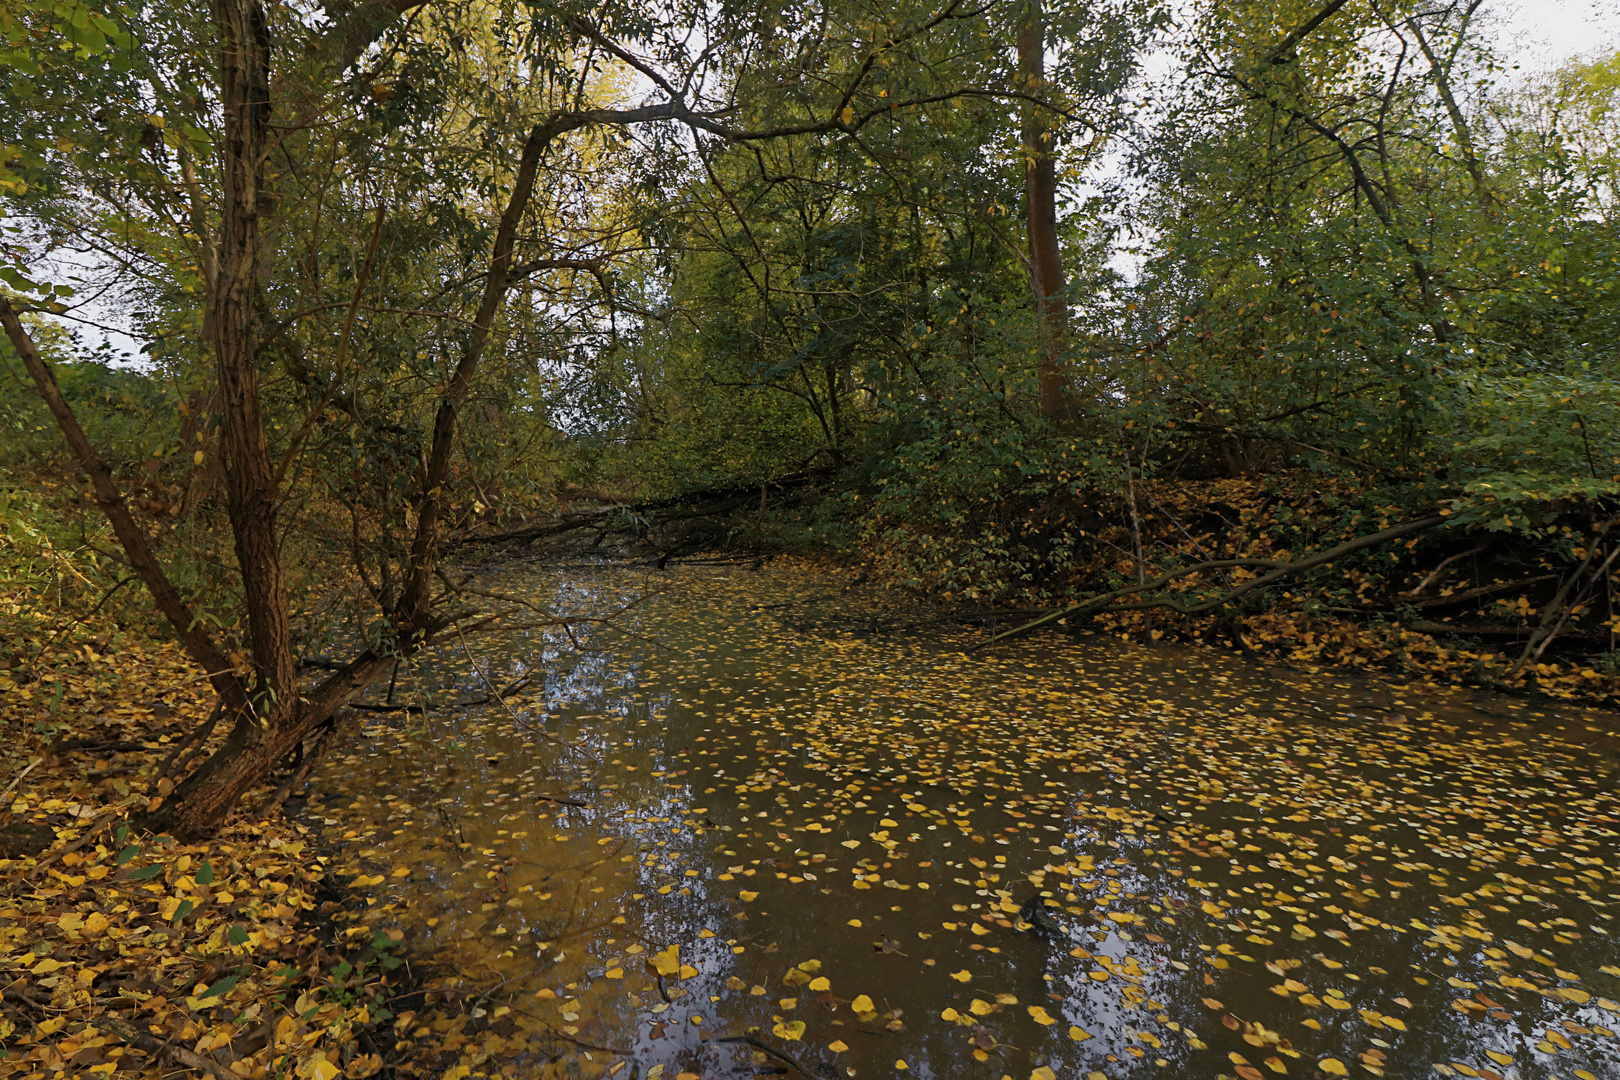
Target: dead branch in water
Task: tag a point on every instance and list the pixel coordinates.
(1279, 571)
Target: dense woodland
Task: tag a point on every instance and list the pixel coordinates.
(1105, 312)
(1282, 328)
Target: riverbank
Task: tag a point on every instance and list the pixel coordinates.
(250, 955)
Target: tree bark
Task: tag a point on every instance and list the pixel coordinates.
(1040, 203)
(275, 718)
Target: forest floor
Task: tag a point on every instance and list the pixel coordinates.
(252, 954)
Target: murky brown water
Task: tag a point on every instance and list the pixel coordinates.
(1252, 873)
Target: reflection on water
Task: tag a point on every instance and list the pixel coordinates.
(734, 826)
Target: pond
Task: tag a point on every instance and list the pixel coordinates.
(738, 834)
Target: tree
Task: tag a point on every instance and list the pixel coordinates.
(387, 179)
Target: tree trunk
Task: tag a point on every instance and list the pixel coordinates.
(270, 717)
(1040, 202)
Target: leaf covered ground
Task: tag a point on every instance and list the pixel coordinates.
(245, 956)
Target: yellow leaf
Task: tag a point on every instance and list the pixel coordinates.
(856, 923)
(323, 1069)
(838, 1046)
(402, 871)
(962, 976)
(820, 984)
(851, 844)
(748, 897)
(667, 962)
(687, 971)
(980, 1008)
(899, 1063)
(950, 1015)
(1333, 1067)
(849, 117)
(615, 973)
(96, 923)
(1041, 1016)
(791, 1030)
(1078, 1034)
(863, 1007)
(197, 458)
(1043, 1073)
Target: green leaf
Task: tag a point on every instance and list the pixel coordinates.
(129, 853)
(205, 874)
(220, 988)
(11, 277)
(236, 936)
(185, 908)
(146, 873)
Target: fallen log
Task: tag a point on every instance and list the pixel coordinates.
(721, 499)
(1279, 571)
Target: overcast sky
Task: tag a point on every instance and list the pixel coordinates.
(1554, 30)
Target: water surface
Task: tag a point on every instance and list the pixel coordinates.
(740, 815)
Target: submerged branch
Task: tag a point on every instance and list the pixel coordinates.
(1279, 571)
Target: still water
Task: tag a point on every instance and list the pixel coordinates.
(737, 833)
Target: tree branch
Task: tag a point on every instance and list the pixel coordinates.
(1279, 570)
(137, 545)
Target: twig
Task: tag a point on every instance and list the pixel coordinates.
(178, 1053)
(1554, 616)
(761, 1044)
(323, 746)
(1569, 610)
(91, 831)
(515, 718)
(564, 802)
(1426, 582)
(19, 778)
